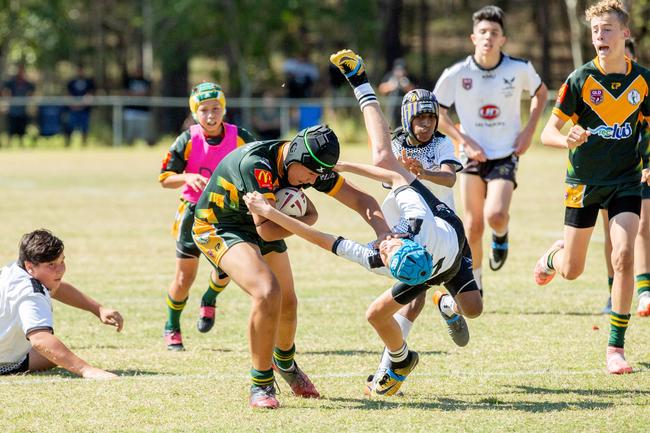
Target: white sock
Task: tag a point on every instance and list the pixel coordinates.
(365, 95)
(405, 325)
(500, 234)
(400, 354)
(447, 305)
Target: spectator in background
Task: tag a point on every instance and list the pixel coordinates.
(301, 75)
(79, 114)
(137, 118)
(18, 85)
(395, 85)
(266, 119)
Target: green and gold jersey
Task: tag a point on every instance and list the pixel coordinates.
(257, 166)
(178, 154)
(612, 107)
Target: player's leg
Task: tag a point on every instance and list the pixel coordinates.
(608, 260)
(497, 214)
(37, 362)
(285, 349)
(623, 229)
(642, 257)
(472, 191)
(380, 315)
(207, 311)
(177, 294)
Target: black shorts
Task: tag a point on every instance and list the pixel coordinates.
(502, 168)
(17, 124)
(16, 367)
(584, 201)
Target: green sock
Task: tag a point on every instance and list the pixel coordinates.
(284, 358)
(618, 323)
(262, 377)
(174, 310)
(549, 261)
(610, 281)
(210, 296)
(642, 283)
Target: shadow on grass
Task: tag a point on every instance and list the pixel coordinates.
(451, 404)
(542, 313)
(613, 393)
(353, 352)
(65, 374)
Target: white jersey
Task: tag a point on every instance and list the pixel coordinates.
(431, 155)
(488, 101)
(25, 306)
(400, 209)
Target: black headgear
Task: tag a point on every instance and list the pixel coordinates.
(317, 148)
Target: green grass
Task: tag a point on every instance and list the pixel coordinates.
(534, 363)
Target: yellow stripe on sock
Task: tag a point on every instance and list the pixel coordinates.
(178, 306)
(217, 288)
(644, 283)
(262, 382)
(282, 358)
(621, 323)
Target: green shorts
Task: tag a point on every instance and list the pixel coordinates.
(214, 241)
(584, 201)
(182, 231)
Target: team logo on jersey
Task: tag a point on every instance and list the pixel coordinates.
(634, 97)
(561, 94)
(489, 112)
(509, 83)
(615, 132)
(615, 85)
(467, 83)
(596, 96)
(264, 178)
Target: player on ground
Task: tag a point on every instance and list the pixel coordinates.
(27, 286)
(189, 163)
(486, 90)
(430, 156)
(642, 243)
(606, 100)
(430, 250)
(251, 248)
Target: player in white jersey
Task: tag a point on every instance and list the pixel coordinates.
(486, 90)
(429, 249)
(27, 342)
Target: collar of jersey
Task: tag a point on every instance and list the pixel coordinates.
(491, 69)
(628, 62)
(279, 161)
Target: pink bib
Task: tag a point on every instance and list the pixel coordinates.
(204, 158)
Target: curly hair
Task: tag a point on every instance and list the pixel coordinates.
(39, 246)
(603, 7)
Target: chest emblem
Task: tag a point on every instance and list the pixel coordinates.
(596, 96)
(634, 97)
(467, 83)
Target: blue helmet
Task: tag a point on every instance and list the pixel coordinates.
(414, 103)
(411, 263)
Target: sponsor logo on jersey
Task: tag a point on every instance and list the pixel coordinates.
(615, 132)
(615, 85)
(596, 96)
(467, 83)
(509, 83)
(634, 97)
(327, 176)
(489, 112)
(264, 178)
(561, 94)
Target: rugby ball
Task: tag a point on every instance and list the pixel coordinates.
(291, 201)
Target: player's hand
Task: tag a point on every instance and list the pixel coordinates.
(108, 316)
(577, 136)
(97, 373)
(473, 150)
(196, 181)
(256, 203)
(645, 176)
(411, 164)
(523, 141)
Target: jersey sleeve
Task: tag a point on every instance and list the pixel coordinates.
(532, 80)
(566, 104)
(35, 313)
(176, 157)
(446, 154)
(244, 136)
(359, 254)
(410, 203)
(329, 183)
(444, 89)
(257, 176)
(645, 105)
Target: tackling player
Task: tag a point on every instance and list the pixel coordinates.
(189, 163)
(607, 101)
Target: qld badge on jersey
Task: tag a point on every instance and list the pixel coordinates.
(596, 96)
(467, 83)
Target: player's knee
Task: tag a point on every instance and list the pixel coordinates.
(571, 271)
(289, 304)
(497, 219)
(623, 259)
(267, 296)
(184, 280)
(375, 316)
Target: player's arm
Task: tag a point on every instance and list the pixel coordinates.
(270, 230)
(537, 105)
(53, 349)
(70, 295)
(552, 134)
(445, 176)
(172, 173)
(264, 210)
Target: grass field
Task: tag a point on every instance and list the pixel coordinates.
(535, 361)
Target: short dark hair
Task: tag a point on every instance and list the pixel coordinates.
(490, 13)
(39, 246)
(629, 44)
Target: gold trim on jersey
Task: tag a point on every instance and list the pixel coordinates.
(611, 109)
(559, 113)
(337, 186)
(574, 195)
(206, 238)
